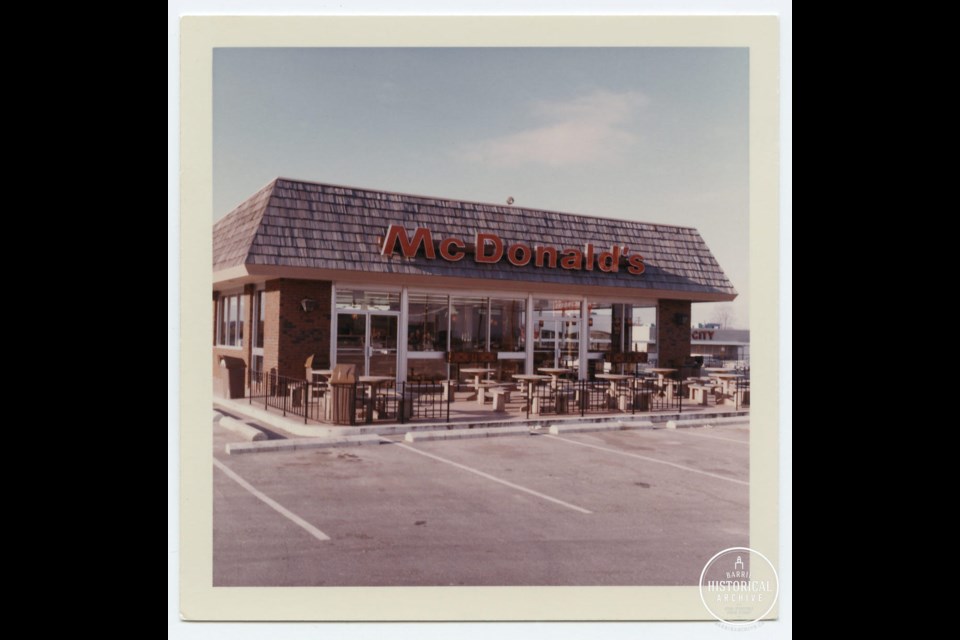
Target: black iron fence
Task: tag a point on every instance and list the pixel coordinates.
(390, 401)
(291, 396)
(426, 400)
(351, 403)
(629, 393)
(742, 393)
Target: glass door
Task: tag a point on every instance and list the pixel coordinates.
(368, 341)
(352, 340)
(382, 353)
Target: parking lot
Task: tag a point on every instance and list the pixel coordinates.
(638, 507)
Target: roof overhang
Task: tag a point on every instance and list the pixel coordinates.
(253, 273)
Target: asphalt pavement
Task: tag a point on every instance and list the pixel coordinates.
(639, 507)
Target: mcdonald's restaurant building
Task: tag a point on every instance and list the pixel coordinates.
(405, 286)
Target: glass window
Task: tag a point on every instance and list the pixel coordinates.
(601, 325)
(556, 333)
(260, 311)
(641, 330)
(361, 300)
(351, 331)
(427, 322)
(507, 324)
(221, 320)
(230, 321)
(468, 324)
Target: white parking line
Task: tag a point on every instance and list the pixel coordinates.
(490, 477)
(270, 502)
(687, 432)
(634, 455)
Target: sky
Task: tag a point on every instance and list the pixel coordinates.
(652, 134)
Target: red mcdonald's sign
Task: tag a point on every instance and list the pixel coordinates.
(489, 248)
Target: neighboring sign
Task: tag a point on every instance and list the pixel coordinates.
(489, 248)
(702, 334)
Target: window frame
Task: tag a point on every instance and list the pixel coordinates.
(225, 305)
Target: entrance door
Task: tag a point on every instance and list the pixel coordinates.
(368, 341)
(382, 353)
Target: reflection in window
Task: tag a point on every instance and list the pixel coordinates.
(351, 331)
(507, 324)
(556, 333)
(604, 325)
(641, 330)
(362, 300)
(468, 324)
(427, 322)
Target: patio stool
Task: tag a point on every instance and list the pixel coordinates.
(316, 391)
(404, 406)
(725, 399)
(296, 394)
(493, 393)
(641, 399)
(535, 405)
(699, 393)
(500, 398)
(564, 400)
(448, 389)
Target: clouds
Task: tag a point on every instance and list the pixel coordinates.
(585, 129)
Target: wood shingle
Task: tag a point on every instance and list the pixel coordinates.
(304, 224)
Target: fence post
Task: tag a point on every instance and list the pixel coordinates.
(581, 397)
(352, 405)
(680, 390)
(402, 409)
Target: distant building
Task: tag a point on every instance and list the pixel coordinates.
(706, 340)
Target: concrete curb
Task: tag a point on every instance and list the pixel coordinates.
(637, 424)
(707, 422)
(461, 434)
(242, 429)
(300, 444)
(557, 429)
(322, 432)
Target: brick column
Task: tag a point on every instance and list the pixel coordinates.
(291, 334)
(673, 332)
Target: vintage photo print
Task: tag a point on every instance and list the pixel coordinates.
(479, 317)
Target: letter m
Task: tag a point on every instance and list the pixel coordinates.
(408, 247)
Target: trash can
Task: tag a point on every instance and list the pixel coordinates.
(343, 385)
(232, 377)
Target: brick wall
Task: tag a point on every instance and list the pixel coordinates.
(673, 340)
(291, 334)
